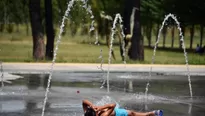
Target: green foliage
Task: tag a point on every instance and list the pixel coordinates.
(189, 11)
(56, 11)
(151, 10)
(12, 11)
(78, 16)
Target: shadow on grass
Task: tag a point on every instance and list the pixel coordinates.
(168, 49)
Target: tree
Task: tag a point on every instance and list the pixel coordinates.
(151, 14)
(26, 15)
(202, 34)
(49, 29)
(191, 35)
(136, 51)
(2, 15)
(37, 30)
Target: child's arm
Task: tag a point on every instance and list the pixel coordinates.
(106, 110)
(107, 106)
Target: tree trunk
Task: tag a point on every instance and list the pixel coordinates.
(2, 25)
(84, 29)
(191, 35)
(136, 51)
(202, 34)
(17, 27)
(49, 29)
(127, 15)
(126, 20)
(27, 28)
(149, 34)
(37, 30)
(10, 28)
(173, 33)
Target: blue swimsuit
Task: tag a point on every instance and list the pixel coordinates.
(120, 112)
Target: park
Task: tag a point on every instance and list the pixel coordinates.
(140, 54)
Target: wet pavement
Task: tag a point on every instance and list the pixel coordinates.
(24, 96)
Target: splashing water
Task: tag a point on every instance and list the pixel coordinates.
(129, 35)
(108, 17)
(70, 5)
(55, 53)
(183, 46)
(101, 62)
(92, 26)
(118, 16)
(2, 75)
(88, 9)
(104, 16)
(123, 42)
(105, 100)
(190, 108)
(96, 38)
(101, 68)
(132, 20)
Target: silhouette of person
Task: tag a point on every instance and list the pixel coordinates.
(198, 48)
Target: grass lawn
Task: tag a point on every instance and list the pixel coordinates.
(18, 48)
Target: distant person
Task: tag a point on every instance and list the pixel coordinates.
(113, 110)
(202, 50)
(198, 48)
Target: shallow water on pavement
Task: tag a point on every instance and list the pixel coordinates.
(24, 96)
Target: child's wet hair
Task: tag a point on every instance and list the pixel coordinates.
(90, 112)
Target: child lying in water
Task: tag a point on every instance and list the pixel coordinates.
(112, 110)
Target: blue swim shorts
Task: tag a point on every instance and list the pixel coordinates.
(120, 112)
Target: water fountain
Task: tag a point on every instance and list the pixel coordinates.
(183, 46)
(107, 17)
(66, 101)
(96, 38)
(70, 5)
(117, 17)
(101, 68)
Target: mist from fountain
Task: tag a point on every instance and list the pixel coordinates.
(88, 9)
(183, 46)
(105, 100)
(70, 5)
